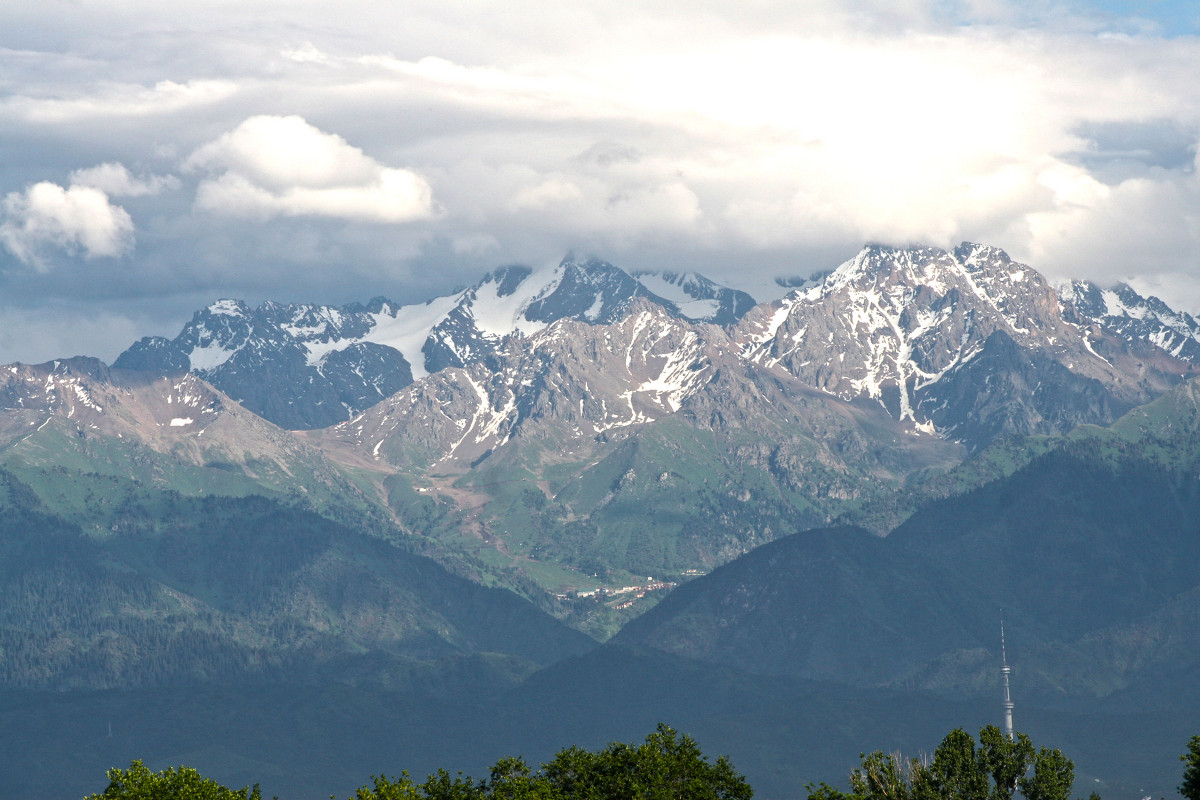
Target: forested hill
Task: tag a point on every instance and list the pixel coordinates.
(235, 590)
(1090, 553)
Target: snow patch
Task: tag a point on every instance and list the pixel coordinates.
(499, 316)
(228, 308)
(406, 329)
(210, 356)
(593, 312)
(685, 291)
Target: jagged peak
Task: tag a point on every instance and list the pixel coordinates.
(683, 279)
(383, 306)
(923, 265)
(971, 254)
(229, 307)
(86, 366)
(507, 278)
(589, 267)
(913, 265)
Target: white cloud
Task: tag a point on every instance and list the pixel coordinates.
(115, 180)
(758, 138)
(78, 219)
(550, 193)
(273, 166)
(115, 100)
(787, 139)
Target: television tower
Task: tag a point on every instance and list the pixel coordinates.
(1005, 669)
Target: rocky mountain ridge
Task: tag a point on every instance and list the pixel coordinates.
(173, 431)
(938, 336)
(1136, 318)
(913, 329)
(311, 366)
(551, 410)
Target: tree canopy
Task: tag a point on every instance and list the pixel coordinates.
(667, 766)
(670, 766)
(139, 783)
(960, 770)
(1190, 788)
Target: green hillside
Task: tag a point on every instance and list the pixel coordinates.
(187, 590)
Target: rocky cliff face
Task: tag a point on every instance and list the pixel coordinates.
(572, 381)
(1134, 318)
(305, 366)
(575, 393)
(965, 344)
(949, 340)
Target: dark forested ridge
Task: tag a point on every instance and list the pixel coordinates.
(235, 590)
(1092, 560)
(270, 643)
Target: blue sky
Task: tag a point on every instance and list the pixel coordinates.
(154, 158)
(1174, 17)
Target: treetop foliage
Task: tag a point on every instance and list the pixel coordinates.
(670, 766)
(960, 770)
(1190, 788)
(184, 783)
(667, 766)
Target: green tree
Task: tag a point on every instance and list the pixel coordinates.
(440, 786)
(512, 780)
(960, 771)
(1190, 788)
(884, 777)
(1052, 778)
(667, 766)
(879, 777)
(955, 772)
(139, 783)
(1005, 760)
(385, 788)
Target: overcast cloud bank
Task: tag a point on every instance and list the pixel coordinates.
(155, 159)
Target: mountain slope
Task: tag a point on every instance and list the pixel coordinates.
(1136, 318)
(904, 327)
(173, 432)
(236, 590)
(307, 366)
(283, 362)
(1089, 552)
(696, 297)
(644, 445)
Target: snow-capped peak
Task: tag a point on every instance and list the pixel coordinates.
(1134, 317)
(229, 308)
(696, 297)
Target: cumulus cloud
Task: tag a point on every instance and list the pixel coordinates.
(273, 166)
(115, 180)
(77, 219)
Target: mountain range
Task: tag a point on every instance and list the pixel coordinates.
(827, 495)
(577, 427)
(305, 366)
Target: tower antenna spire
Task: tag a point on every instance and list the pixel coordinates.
(1004, 673)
